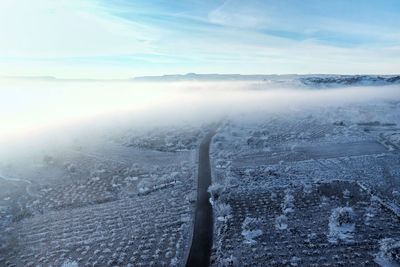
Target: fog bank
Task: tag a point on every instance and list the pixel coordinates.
(36, 107)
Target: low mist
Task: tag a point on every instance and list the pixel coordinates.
(36, 108)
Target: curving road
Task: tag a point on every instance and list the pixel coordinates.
(200, 249)
(27, 187)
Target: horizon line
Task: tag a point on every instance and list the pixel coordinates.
(133, 78)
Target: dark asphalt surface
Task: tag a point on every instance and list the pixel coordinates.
(200, 249)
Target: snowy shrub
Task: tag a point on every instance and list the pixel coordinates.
(130, 179)
(135, 167)
(98, 172)
(255, 142)
(165, 178)
(396, 194)
(231, 261)
(281, 222)
(143, 186)
(231, 181)
(169, 254)
(311, 237)
(223, 211)
(369, 214)
(251, 229)
(95, 179)
(249, 173)
(174, 261)
(219, 145)
(215, 191)
(347, 193)
(175, 175)
(288, 203)
(191, 197)
(307, 188)
(324, 201)
(269, 171)
(390, 249)
(70, 167)
(220, 163)
(394, 138)
(294, 261)
(341, 225)
(69, 263)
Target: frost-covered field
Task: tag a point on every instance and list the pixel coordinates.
(303, 174)
(316, 187)
(102, 202)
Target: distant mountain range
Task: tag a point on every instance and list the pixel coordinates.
(284, 80)
(348, 80)
(316, 80)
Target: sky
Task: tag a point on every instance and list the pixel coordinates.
(121, 39)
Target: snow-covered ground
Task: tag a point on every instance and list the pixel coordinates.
(303, 176)
(320, 186)
(100, 202)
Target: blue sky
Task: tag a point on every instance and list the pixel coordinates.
(121, 38)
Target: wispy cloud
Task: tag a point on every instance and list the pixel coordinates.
(45, 28)
(124, 38)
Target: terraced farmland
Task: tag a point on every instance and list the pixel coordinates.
(141, 230)
(302, 236)
(103, 205)
(318, 189)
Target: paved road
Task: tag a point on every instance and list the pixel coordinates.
(200, 249)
